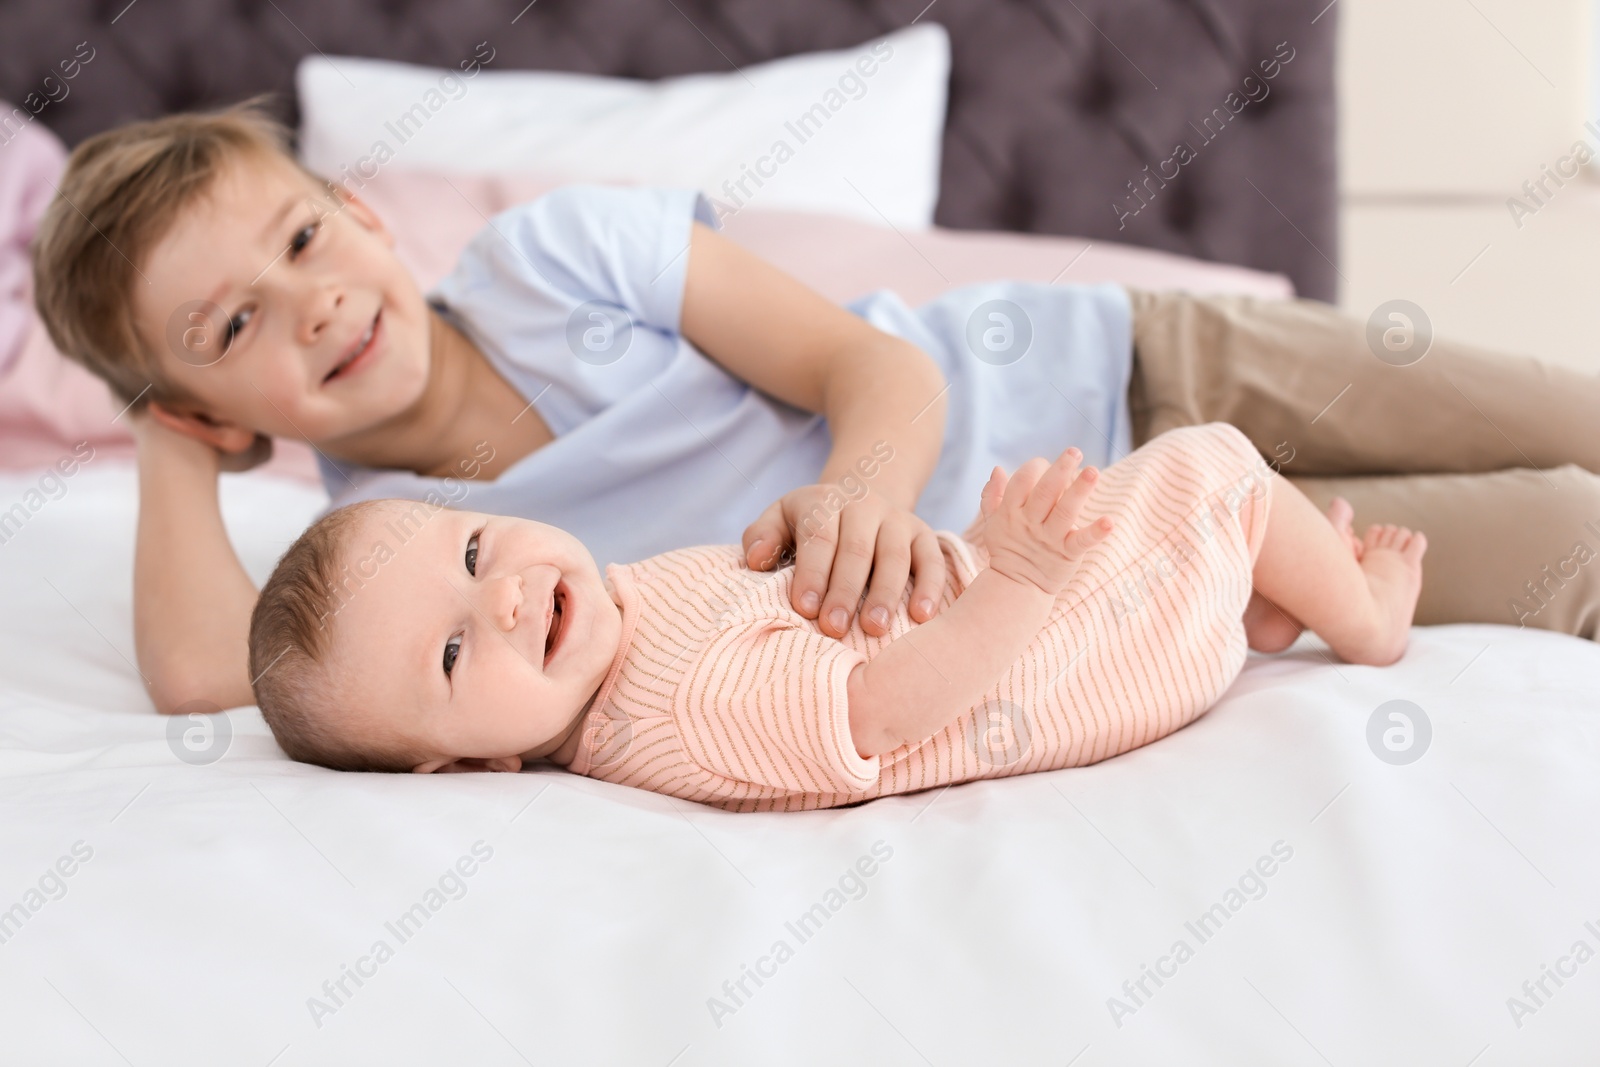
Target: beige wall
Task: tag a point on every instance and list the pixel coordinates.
(1461, 96)
(1447, 108)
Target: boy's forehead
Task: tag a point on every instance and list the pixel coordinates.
(252, 190)
(238, 217)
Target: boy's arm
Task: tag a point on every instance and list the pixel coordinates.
(929, 676)
(884, 398)
(790, 342)
(191, 597)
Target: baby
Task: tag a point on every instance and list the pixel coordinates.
(1087, 613)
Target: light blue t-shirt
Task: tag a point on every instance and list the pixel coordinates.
(575, 297)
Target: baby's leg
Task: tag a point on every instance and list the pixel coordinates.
(1269, 628)
(1306, 568)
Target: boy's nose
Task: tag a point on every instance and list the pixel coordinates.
(320, 308)
(504, 596)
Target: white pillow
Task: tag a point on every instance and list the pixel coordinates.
(794, 134)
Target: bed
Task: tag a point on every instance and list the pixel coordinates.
(1335, 865)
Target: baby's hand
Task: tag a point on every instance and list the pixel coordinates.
(1030, 521)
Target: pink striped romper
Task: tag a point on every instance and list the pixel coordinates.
(723, 694)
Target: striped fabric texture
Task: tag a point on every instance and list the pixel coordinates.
(721, 693)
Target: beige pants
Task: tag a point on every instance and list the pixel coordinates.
(1492, 456)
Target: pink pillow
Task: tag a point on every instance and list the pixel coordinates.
(33, 159)
(47, 405)
(434, 215)
(843, 259)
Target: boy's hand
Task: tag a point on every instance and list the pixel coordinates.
(165, 445)
(837, 549)
(259, 452)
(152, 436)
(1030, 521)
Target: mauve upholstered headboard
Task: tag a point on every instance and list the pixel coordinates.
(1056, 106)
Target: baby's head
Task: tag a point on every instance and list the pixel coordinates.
(191, 261)
(398, 636)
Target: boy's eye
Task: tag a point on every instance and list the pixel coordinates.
(452, 649)
(302, 237)
(472, 555)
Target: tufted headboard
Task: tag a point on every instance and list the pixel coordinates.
(1056, 107)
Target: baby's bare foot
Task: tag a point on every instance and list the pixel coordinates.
(1391, 557)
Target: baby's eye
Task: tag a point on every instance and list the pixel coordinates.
(472, 555)
(302, 237)
(452, 649)
(236, 326)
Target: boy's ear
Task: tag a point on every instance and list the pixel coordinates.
(512, 764)
(226, 437)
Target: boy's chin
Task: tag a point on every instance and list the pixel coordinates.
(367, 417)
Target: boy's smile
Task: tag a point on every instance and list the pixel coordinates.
(361, 352)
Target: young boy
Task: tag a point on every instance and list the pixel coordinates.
(1086, 615)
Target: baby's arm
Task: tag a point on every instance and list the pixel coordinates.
(191, 597)
(929, 676)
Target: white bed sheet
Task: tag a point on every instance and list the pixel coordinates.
(218, 899)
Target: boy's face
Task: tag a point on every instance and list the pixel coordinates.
(261, 299)
(472, 636)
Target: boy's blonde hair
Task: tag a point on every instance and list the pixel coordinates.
(291, 638)
(122, 192)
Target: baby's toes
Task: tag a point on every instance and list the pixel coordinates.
(1377, 536)
(1416, 544)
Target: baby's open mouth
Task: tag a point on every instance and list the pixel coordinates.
(555, 624)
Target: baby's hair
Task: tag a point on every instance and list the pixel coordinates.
(291, 642)
(121, 194)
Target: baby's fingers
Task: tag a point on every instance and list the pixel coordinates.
(1070, 505)
(1023, 482)
(989, 501)
(1051, 484)
(1081, 540)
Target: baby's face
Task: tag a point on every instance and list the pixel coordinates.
(475, 637)
(261, 300)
